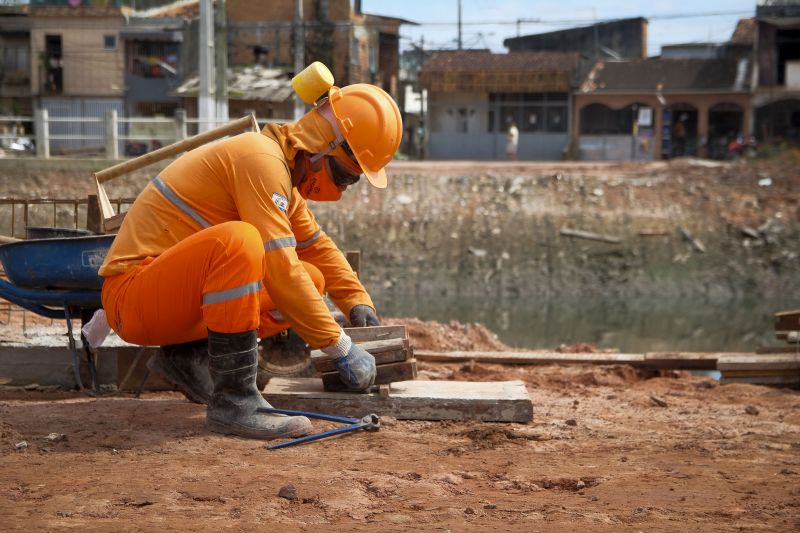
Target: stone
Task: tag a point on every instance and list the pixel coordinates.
(288, 492)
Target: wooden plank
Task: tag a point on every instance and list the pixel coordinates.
(681, 360)
(114, 222)
(125, 358)
(762, 380)
(528, 358)
(353, 257)
(373, 347)
(758, 362)
(376, 333)
(381, 358)
(760, 372)
(778, 349)
(488, 401)
(94, 218)
(385, 351)
(389, 373)
(787, 320)
(580, 234)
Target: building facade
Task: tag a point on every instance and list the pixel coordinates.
(475, 96)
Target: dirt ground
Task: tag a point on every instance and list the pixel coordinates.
(609, 449)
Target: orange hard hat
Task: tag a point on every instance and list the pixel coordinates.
(370, 122)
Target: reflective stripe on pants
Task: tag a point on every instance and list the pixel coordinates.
(210, 280)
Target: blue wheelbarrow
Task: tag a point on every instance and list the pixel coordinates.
(57, 278)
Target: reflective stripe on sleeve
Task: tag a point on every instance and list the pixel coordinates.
(308, 242)
(231, 294)
(277, 244)
(175, 200)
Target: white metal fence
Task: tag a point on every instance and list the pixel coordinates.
(110, 136)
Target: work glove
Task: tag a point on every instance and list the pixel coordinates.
(363, 316)
(357, 368)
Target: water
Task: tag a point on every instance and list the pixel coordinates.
(632, 326)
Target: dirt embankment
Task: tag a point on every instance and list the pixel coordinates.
(685, 227)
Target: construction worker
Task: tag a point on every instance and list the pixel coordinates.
(220, 249)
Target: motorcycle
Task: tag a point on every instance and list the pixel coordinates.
(742, 147)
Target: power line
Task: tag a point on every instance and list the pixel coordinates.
(585, 21)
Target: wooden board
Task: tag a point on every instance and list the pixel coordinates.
(376, 333)
(381, 358)
(528, 358)
(385, 351)
(389, 373)
(787, 320)
(135, 375)
(759, 362)
(681, 360)
(785, 381)
(492, 401)
(792, 348)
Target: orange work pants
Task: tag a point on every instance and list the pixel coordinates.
(210, 280)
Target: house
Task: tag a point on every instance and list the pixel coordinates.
(77, 67)
(159, 46)
(662, 107)
(624, 38)
(357, 47)
(474, 95)
(15, 63)
(776, 93)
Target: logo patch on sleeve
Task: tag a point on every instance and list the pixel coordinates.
(281, 201)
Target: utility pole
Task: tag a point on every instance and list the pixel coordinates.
(459, 24)
(206, 107)
(221, 60)
(422, 118)
(299, 52)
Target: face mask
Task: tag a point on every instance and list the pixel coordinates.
(317, 183)
(325, 179)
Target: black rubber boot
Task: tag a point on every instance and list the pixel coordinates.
(185, 366)
(233, 364)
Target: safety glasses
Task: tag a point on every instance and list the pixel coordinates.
(340, 174)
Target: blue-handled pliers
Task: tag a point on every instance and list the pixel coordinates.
(371, 422)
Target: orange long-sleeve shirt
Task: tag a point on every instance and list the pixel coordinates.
(244, 178)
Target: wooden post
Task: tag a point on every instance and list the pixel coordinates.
(42, 127)
(112, 135)
(94, 220)
(354, 258)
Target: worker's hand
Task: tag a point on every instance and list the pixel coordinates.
(357, 368)
(363, 316)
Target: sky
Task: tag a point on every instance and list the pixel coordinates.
(438, 19)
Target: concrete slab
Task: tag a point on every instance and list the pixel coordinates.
(488, 401)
